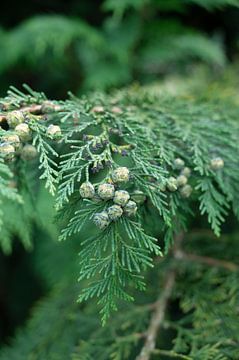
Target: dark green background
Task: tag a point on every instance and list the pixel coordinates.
(138, 43)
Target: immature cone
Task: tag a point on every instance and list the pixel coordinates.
(186, 171)
(106, 191)
(87, 190)
(12, 184)
(54, 131)
(172, 184)
(116, 110)
(115, 212)
(7, 151)
(182, 180)
(101, 219)
(98, 109)
(217, 163)
(48, 107)
(178, 163)
(139, 197)
(12, 139)
(162, 187)
(130, 208)
(29, 152)
(14, 118)
(186, 191)
(121, 174)
(121, 197)
(23, 131)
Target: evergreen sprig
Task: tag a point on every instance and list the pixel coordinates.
(7, 192)
(167, 149)
(46, 151)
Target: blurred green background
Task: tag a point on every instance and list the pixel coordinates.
(83, 45)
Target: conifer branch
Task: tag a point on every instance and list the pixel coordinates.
(228, 265)
(160, 305)
(157, 317)
(33, 109)
(110, 178)
(171, 354)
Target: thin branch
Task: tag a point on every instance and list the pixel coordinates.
(158, 315)
(160, 305)
(171, 354)
(33, 109)
(228, 265)
(157, 318)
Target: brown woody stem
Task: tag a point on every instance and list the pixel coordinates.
(157, 318)
(160, 306)
(33, 109)
(228, 265)
(158, 315)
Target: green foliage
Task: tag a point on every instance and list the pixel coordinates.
(129, 44)
(120, 7)
(215, 3)
(163, 278)
(46, 151)
(154, 138)
(7, 193)
(204, 326)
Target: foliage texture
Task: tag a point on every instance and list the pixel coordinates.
(174, 158)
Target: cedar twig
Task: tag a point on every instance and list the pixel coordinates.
(158, 315)
(160, 305)
(33, 109)
(171, 354)
(157, 318)
(228, 265)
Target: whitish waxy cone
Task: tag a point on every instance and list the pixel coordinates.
(7, 151)
(12, 139)
(98, 109)
(48, 107)
(101, 219)
(130, 208)
(217, 163)
(182, 180)
(172, 184)
(29, 152)
(162, 187)
(186, 171)
(24, 132)
(115, 212)
(106, 191)
(186, 191)
(116, 110)
(121, 174)
(14, 118)
(87, 190)
(54, 131)
(138, 196)
(178, 163)
(121, 197)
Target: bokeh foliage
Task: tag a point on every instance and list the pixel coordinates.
(100, 45)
